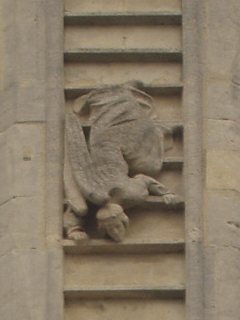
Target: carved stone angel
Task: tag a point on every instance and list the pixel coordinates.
(113, 165)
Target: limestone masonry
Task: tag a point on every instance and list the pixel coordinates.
(120, 153)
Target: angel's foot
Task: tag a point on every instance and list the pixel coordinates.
(112, 221)
(170, 199)
(155, 188)
(76, 234)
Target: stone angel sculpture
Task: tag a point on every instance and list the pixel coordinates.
(113, 165)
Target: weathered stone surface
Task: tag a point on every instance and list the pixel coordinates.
(156, 224)
(134, 37)
(173, 180)
(168, 107)
(22, 225)
(24, 285)
(30, 271)
(21, 166)
(8, 73)
(223, 135)
(223, 31)
(222, 170)
(129, 270)
(75, 6)
(78, 74)
(27, 159)
(222, 98)
(211, 91)
(222, 221)
(222, 283)
(7, 112)
(23, 68)
(221, 200)
(29, 282)
(30, 63)
(6, 187)
(120, 309)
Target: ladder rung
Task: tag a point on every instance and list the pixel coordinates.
(128, 18)
(127, 246)
(158, 202)
(164, 89)
(122, 292)
(173, 163)
(129, 55)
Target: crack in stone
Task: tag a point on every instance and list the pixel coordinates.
(234, 223)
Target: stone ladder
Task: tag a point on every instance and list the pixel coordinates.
(142, 277)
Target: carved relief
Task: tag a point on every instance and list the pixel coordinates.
(114, 148)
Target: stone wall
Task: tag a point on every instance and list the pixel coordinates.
(31, 98)
(31, 147)
(221, 132)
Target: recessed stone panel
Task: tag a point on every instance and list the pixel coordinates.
(123, 37)
(76, 6)
(155, 225)
(172, 179)
(125, 270)
(86, 74)
(125, 310)
(168, 107)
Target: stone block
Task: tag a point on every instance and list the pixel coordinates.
(222, 219)
(22, 160)
(27, 289)
(23, 278)
(222, 99)
(227, 275)
(31, 103)
(222, 170)
(30, 63)
(223, 30)
(74, 6)
(22, 225)
(222, 288)
(27, 158)
(8, 108)
(5, 168)
(23, 65)
(8, 10)
(223, 135)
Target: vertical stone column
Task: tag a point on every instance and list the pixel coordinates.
(211, 102)
(222, 159)
(193, 15)
(31, 98)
